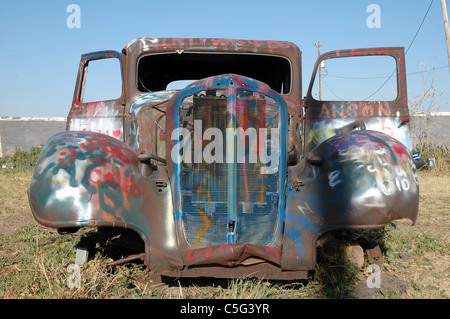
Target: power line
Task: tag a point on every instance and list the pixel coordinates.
(326, 84)
(406, 52)
(380, 77)
(420, 26)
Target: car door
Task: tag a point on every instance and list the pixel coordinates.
(361, 105)
(98, 101)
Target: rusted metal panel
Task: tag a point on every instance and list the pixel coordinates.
(106, 117)
(262, 271)
(201, 217)
(145, 46)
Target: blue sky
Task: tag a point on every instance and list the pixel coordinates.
(39, 54)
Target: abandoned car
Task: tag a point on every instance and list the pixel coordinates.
(234, 175)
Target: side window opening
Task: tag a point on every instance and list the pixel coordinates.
(360, 78)
(103, 80)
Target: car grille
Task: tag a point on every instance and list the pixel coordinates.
(233, 200)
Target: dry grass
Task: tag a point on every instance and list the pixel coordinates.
(34, 261)
(14, 208)
(421, 254)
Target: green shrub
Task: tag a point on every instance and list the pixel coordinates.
(22, 160)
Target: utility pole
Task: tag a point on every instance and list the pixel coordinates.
(447, 31)
(318, 45)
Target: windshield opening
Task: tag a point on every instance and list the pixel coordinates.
(155, 72)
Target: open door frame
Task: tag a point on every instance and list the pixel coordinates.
(106, 117)
(324, 119)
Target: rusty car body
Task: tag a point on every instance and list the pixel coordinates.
(115, 164)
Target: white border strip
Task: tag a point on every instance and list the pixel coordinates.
(49, 119)
(431, 114)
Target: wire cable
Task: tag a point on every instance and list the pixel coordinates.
(381, 77)
(406, 52)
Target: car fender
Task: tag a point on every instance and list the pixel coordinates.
(357, 180)
(90, 179)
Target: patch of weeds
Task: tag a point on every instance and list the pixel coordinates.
(35, 264)
(22, 160)
(251, 288)
(337, 279)
(336, 275)
(390, 295)
(403, 240)
(427, 242)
